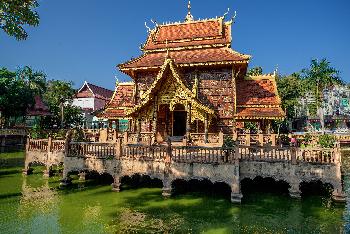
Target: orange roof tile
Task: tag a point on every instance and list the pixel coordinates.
(258, 112)
(256, 92)
(194, 33)
(122, 99)
(186, 57)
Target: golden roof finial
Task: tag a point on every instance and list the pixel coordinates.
(189, 17)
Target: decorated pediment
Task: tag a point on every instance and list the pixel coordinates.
(170, 88)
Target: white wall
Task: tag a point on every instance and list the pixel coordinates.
(84, 102)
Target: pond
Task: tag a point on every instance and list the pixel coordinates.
(33, 204)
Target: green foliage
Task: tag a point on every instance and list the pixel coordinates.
(284, 139)
(229, 142)
(252, 126)
(255, 71)
(14, 14)
(60, 93)
(312, 107)
(327, 141)
(307, 138)
(36, 80)
(18, 90)
(78, 135)
(36, 132)
(320, 75)
(290, 89)
(15, 96)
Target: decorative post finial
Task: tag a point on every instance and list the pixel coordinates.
(189, 17)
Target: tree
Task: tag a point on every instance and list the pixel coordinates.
(59, 97)
(36, 80)
(318, 76)
(290, 89)
(14, 14)
(16, 96)
(255, 71)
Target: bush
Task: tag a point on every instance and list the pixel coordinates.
(36, 132)
(228, 142)
(326, 141)
(284, 139)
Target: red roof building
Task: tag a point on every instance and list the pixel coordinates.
(39, 108)
(189, 79)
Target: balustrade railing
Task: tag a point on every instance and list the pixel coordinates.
(265, 153)
(256, 139)
(194, 154)
(12, 132)
(57, 146)
(144, 152)
(38, 145)
(318, 155)
(86, 149)
(212, 138)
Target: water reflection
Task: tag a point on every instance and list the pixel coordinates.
(38, 207)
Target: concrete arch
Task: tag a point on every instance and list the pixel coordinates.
(266, 183)
(200, 183)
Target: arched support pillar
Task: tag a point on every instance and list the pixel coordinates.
(236, 194)
(116, 183)
(338, 193)
(66, 180)
(27, 170)
(167, 188)
(82, 176)
(294, 189)
(47, 171)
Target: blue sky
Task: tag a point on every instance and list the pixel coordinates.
(85, 39)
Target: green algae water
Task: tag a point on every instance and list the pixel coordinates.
(33, 204)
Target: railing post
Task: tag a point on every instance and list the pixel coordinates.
(206, 129)
(293, 155)
(237, 153)
(126, 137)
(49, 144)
(168, 155)
(221, 138)
(247, 139)
(118, 148)
(261, 139)
(273, 139)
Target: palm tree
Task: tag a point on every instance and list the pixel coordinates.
(319, 76)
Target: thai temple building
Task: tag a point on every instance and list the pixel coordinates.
(190, 80)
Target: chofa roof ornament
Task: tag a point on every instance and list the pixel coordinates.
(189, 16)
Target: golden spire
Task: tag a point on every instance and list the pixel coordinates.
(189, 17)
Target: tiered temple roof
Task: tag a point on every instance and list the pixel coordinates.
(202, 42)
(121, 101)
(257, 98)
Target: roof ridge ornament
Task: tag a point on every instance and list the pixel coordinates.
(232, 20)
(189, 16)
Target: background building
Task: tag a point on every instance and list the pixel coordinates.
(92, 98)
